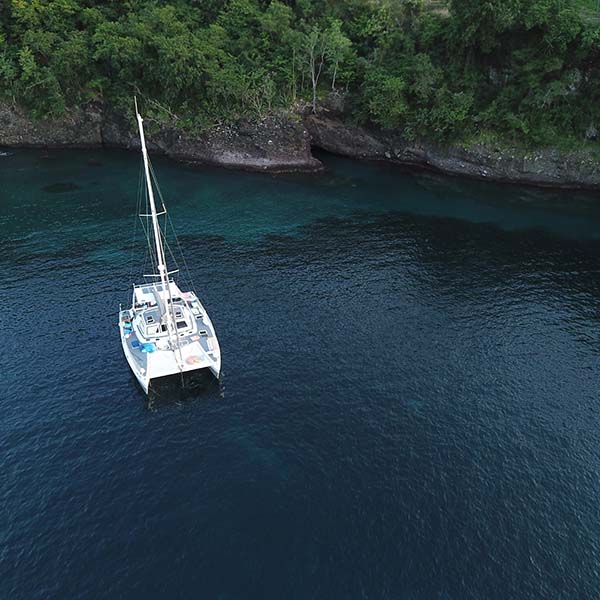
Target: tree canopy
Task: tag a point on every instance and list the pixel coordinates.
(525, 70)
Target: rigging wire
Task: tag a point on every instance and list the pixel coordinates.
(149, 251)
(168, 221)
(166, 230)
(137, 209)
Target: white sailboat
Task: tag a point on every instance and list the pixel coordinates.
(166, 331)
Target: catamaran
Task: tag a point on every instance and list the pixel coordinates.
(166, 332)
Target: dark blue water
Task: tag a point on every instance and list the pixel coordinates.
(409, 405)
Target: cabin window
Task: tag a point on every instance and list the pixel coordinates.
(181, 324)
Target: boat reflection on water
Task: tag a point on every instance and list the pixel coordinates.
(186, 387)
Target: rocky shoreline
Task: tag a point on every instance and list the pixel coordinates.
(544, 167)
(276, 144)
(283, 143)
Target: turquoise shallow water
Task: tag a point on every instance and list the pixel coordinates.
(409, 401)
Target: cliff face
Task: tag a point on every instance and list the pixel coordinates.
(283, 143)
(545, 167)
(275, 144)
(77, 128)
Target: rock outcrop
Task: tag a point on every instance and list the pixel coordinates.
(277, 143)
(544, 167)
(77, 128)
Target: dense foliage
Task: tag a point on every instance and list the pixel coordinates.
(524, 70)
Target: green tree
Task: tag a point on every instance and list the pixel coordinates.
(338, 49)
(387, 103)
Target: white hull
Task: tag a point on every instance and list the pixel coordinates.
(165, 364)
(153, 354)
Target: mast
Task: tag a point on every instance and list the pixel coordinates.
(160, 251)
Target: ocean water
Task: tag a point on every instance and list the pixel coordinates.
(410, 396)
